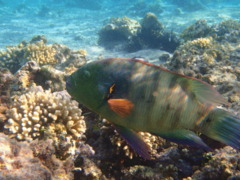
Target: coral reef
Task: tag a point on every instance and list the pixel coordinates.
(117, 31)
(20, 160)
(227, 30)
(41, 114)
(154, 35)
(127, 34)
(41, 53)
(60, 143)
(199, 29)
(59, 56)
(222, 165)
(215, 59)
(7, 79)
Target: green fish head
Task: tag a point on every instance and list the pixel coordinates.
(88, 86)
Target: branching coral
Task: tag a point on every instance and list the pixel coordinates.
(41, 114)
(37, 50)
(41, 53)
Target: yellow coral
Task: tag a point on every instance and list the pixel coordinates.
(32, 114)
(41, 53)
(41, 114)
(201, 43)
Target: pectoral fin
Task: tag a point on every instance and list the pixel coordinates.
(135, 141)
(122, 107)
(186, 137)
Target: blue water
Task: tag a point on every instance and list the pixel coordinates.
(76, 23)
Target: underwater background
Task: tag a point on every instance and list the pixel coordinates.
(45, 134)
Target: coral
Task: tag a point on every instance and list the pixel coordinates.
(51, 78)
(200, 51)
(13, 160)
(20, 160)
(222, 165)
(41, 114)
(129, 35)
(153, 35)
(118, 30)
(41, 53)
(199, 29)
(227, 30)
(7, 79)
(37, 50)
(24, 76)
(11, 57)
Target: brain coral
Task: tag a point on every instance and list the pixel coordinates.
(41, 114)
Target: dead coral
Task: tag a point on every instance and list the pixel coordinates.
(7, 79)
(19, 160)
(41, 114)
(223, 165)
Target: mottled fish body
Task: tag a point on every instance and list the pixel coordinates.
(138, 96)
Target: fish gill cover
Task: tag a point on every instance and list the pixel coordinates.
(45, 133)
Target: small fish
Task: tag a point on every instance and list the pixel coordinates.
(138, 96)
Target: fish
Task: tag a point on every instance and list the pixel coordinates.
(135, 95)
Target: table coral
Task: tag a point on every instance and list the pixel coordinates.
(41, 114)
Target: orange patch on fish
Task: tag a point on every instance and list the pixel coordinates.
(122, 107)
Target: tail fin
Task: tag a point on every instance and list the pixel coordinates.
(220, 125)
